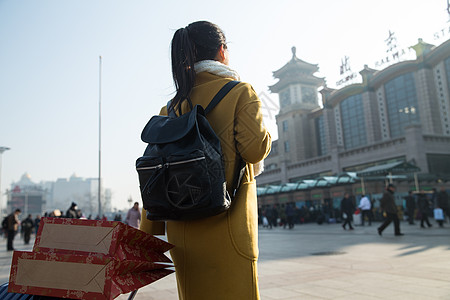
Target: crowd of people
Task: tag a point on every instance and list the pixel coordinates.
(12, 225)
(417, 206)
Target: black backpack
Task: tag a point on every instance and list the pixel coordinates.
(5, 223)
(181, 173)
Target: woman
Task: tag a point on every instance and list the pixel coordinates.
(215, 257)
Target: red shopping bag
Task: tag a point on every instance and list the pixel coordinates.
(92, 277)
(78, 236)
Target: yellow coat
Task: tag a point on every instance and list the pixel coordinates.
(215, 258)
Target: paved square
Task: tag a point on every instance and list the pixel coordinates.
(325, 262)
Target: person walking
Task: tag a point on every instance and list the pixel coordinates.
(347, 209)
(37, 221)
(366, 209)
(387, 204)
(216, 257)
(424, 208)
(290, 214)
(27, 227)
(134, 216)
(13, 226)
(410, 207)
(73, 211)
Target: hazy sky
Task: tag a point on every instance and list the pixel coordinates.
(49, 68)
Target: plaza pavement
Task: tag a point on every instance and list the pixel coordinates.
(325, 262)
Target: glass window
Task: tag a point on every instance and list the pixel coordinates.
(285, 98)
(401, 102)
(439, 163)
(286, 146)
(285, 125)
(353, 122)
(320, 136)
(274, 150)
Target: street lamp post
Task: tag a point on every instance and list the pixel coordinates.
(2, 149)
(100, 138)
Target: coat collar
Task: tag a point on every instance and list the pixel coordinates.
(216, 68)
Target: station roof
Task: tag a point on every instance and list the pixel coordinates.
(394, 168)
(308, 184)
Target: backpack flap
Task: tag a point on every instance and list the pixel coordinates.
(164, 129)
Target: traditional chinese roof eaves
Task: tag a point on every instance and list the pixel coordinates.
(296, 78)
(296, 65)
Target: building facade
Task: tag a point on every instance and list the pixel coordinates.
(82, 191)
(400, 113)
(29, 197)
(38, 198)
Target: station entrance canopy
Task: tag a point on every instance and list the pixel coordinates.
(390, 168)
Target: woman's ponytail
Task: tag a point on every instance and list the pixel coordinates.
(198, 41)
(183, 59)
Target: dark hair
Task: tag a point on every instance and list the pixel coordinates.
(196, 42)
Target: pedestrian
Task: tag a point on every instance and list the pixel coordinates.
(55, 214)
(439, 216)
(216, 257)
(27, 227)
(424, 208)
(443, 202)
(282, 215)
(387, 204)
(366, 209)
(134, 216)
(290, 214)
(37, 221)
(410, 207)
(274, 215)
(13, 226)
(73, 211)
(267, 215)
(347, 209)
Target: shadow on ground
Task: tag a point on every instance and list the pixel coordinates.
(331, 239)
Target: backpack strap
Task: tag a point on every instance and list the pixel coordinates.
(220, 94)
(170, 111)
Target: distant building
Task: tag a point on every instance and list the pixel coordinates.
(46, 196)
(398, 114)
(29, 197)
(83, 191)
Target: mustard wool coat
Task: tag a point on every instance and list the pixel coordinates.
(215, 258)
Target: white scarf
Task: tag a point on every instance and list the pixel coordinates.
(217, 68)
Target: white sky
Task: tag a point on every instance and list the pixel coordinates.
(49, 53)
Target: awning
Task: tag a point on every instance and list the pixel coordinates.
(391, 168)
